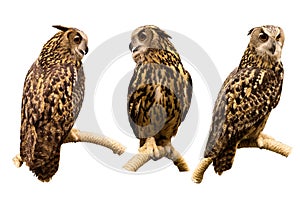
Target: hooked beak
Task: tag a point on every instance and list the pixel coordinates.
(130, 46)
(84, 51)
(273, 48)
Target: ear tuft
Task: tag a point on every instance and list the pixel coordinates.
(163, 34)
(62, 28)
(250, 31)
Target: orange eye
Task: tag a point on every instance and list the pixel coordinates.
(263, 37)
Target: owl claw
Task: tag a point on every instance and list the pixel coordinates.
(151, 149)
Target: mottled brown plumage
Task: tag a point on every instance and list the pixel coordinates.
(246, 99)
(52, 97)
(160, 90)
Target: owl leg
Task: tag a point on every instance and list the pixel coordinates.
(144, 156)
(151, 149)
(17, 160)
(78, 136)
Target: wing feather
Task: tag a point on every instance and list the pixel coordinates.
(247, 96)
(47, 111)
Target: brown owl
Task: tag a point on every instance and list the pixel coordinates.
(245, 101)
(52, 98)
(160, 90)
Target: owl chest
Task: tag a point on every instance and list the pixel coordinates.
(155, 74)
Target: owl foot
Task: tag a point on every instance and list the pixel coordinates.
(266, 142)
(261, 138)
(150, 148)
(146, 152)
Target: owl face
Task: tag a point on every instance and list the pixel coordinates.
(75, 40)
(267, 41)
(149, 36)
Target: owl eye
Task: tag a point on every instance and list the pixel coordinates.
(142, 36)
(77, 39)
(278, 37)
(263, 37)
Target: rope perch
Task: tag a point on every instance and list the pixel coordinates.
(78, 136)
(142, 158)
(263, 142)
(268, 143)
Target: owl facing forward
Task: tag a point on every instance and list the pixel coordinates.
(160, 90)
(247, 97)
(52, 98)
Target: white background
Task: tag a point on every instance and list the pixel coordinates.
(220, 28)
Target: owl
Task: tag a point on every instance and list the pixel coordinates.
(52, 97)
(246, 98)
(160, 90)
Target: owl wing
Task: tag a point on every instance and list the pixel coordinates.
(186, 86)
(247, 96)
(31, 110)
(47, 111)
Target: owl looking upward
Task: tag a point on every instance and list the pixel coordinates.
(245, 101)
(160, 90)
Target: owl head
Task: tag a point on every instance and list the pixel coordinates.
(267, 41)
(149, 36)
(74, 40)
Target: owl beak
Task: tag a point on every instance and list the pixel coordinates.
(86, 50)
(273, 48)
(132, 48)
(83, 49)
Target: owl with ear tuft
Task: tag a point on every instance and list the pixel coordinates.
(53, 93)
(245, 101)
(159, 93)
(52, 97)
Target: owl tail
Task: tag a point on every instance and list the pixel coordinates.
(45, 172)
(224, 160)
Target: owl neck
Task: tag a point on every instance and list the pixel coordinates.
(252, 59)
(159, 56)
(53, 53)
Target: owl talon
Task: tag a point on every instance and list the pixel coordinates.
(151, 149)
(260, 142)
(169, 149)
